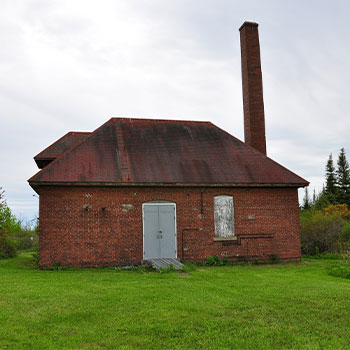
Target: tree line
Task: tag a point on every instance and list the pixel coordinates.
(14, 235)
(325, 218)
(336, 189)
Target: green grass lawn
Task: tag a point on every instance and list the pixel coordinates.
(287, 306)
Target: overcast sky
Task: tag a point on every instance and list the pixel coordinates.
(71, 65)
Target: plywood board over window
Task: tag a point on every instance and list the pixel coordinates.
(224, 216)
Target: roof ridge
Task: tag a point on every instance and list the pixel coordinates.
(78, 132)
(160, 120)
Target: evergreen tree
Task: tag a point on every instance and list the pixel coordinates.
(343, 178)
(331, 190)
(2, 199)
(306, 200)
(314, 197)
(322, 200)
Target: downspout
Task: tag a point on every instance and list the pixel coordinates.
(202, 202)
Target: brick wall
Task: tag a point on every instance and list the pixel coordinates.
(266, 222)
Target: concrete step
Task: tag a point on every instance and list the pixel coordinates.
(165, 263)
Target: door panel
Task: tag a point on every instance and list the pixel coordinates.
(159, 231)
(167, 226)
(151, 228)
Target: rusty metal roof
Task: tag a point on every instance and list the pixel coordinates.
(58, 147)
(126, 151)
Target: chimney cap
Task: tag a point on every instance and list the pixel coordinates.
(251, 24)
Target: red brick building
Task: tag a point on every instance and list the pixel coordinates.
(138, 189)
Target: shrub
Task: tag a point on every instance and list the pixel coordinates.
(35, 258)
(273, 258)
(337, 210)
(320, 232)
(8, 248)
(340, 270)
(344, 238)
(214, 260)
(25, 239)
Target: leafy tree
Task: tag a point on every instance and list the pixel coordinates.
(343, 178)
(8, 224)
(320, 232)
(331, 189)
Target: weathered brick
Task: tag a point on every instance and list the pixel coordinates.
(75, 230)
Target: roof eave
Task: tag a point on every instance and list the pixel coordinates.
(162, 184)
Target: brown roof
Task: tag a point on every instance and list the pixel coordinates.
(58, 147)
(126, 151)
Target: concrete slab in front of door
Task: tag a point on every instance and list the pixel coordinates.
(165, 263)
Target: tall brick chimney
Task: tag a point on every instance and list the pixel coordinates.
(253, 102)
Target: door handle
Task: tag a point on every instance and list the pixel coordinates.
(159, 236)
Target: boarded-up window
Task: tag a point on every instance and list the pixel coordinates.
(223, 216)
